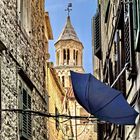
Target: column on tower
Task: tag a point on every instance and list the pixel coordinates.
(79, 58)
(57, 58)
(61, 57)
(71, 56)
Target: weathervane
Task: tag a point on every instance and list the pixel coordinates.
(69, 8)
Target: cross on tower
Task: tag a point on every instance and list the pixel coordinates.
(69, 8)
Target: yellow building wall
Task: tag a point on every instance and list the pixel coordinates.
(56, 96)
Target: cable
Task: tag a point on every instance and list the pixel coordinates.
(49, 115)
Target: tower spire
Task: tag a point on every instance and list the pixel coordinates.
(68, 9)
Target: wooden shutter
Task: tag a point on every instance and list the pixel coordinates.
(129, 43)
(97, 34)
(25, 118)
(29, 117)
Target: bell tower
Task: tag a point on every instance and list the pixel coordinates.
(69, 53)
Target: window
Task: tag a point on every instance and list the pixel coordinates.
(64, 56)
(68, 56)
(74, 54)
(25, 119)
(63, 81)
(97, 34)
(136, 24)
(129, 43)
(57, 118)
(24, 14)
(76, 57)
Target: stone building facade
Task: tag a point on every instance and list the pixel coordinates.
(116, 46)
(24, 33)
(69, 56)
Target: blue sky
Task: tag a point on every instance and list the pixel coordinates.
(81, 15)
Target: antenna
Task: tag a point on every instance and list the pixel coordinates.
(69, 8)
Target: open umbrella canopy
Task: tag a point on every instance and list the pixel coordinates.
(101, 100)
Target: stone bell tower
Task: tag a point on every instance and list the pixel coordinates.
(69, 53)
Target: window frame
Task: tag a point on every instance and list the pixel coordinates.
(57, 124)
(97, 34)
(23, 87)
(24, 15)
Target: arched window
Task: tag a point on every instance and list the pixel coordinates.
(68, 56)
(76, 57)
(63, 81)
(64, 55)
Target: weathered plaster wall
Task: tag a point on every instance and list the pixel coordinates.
(28, 53)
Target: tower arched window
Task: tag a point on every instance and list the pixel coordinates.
(64, 55)
(68, 56)
(63, 81)
(76, 57)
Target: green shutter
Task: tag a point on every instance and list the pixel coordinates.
(24, 116)
(97, 35)
(25, 119)
(29, 117)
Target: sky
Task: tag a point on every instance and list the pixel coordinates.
(81, 19)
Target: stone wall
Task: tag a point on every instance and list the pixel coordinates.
(24, 53)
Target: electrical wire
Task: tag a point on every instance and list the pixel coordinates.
(49, 115)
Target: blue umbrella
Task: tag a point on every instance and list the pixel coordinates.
(101, 100)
